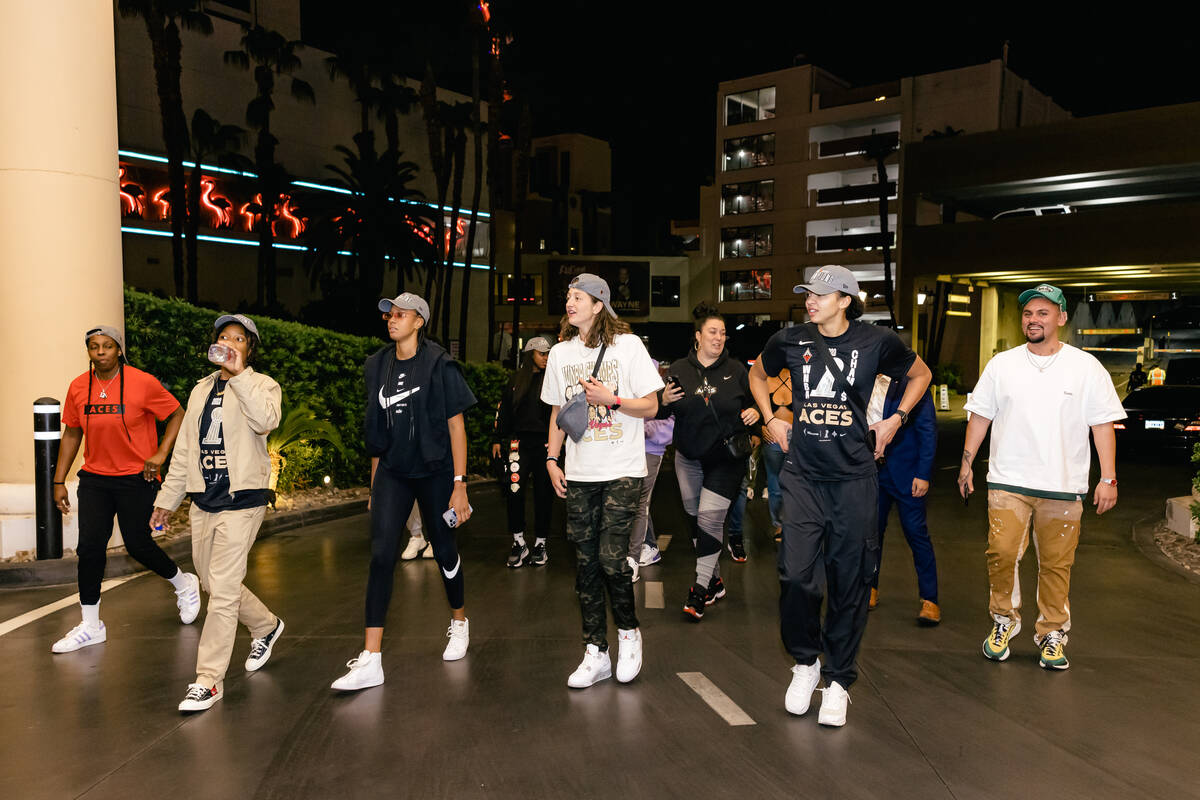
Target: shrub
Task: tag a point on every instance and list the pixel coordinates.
(949, 374)
(487, 381)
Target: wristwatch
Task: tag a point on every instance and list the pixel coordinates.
(1110, 481)
(903, 416)
(460, 478)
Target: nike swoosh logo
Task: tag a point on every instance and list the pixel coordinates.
(806, 342)
(727, 377)
(387, 402)
(450, 575)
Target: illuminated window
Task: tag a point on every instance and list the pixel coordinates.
(750, 106)
(746, 152)
(751, 241)
(747, 198)
(745, 284)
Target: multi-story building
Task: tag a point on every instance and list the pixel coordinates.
(797, 187)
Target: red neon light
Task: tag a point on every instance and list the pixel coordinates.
(133, 196)
(287, 214)
(162, 199)
(484, 8)
(220, 207)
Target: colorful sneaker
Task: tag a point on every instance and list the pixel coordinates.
(539, 557)
(737, 549)
(416, 544)
(650, 555)
(459, 634)
(82, 635)
(716, 590)
(800, 690)
(695, 602)
(518, 555)
(260, 649)
(629, 654)
(199, 697)
(188, 600)
(595, 667)
(929, 615)
(833, 705)
(1053, 656)
(365, 671)
(995, 646)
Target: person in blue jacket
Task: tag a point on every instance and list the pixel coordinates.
(904, 479)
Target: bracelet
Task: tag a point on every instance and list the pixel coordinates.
(552, 458)
(60, 483)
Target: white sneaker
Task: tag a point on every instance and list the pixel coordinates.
(633, 565)
(365, 671)
(459, 634)
(428, 552)
(595, 667)
(82, 635)
(188, 600)
(650, 555)
(629, 654)
(833, 705)
(415, 545)
(199, 697)
(804, 683)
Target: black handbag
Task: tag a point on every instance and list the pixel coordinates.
(839, 378)
(738, 445)
(573, 415)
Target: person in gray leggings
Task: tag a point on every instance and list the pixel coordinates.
(643, 544)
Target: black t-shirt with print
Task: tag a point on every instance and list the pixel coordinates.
(399, 399)
(828, 436)
(214, 465)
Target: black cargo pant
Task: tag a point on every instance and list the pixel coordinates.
(600, 518)
(528, 471)
(830, 551)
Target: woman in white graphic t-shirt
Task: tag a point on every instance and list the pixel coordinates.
(602, 476)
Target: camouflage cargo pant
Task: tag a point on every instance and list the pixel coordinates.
(600, 518)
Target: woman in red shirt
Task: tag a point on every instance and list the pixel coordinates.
(112, 409)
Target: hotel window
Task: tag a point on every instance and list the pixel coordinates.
(745, 284)
(747, 198)
(750, 106)
(746, 152)
(747, 242)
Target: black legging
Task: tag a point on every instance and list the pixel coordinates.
(131, 499)
(529, 470)
(391, 503)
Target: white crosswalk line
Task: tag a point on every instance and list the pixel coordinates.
(654, 594)
(10, 625)
(717, 700)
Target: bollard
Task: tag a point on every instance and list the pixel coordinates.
(47, 436)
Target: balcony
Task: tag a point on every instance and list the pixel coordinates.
(851, 241)
(850, 194)
(856, 145)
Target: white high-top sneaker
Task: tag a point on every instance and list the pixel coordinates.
(365, 671)
(596, 666)
(833, 705)
(459, 634)
(629, 654)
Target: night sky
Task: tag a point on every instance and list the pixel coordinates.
(643, 75)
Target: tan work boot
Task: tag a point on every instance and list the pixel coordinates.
(930, 614)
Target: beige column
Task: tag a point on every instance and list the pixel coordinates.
(60, 225)
(989, 306)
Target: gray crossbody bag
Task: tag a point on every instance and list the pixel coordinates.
(573, 416)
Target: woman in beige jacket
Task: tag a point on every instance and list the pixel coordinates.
(220, 461)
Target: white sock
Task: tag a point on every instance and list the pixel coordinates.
(179, 581)
(91, 615)
(541, 540)
(519, 538)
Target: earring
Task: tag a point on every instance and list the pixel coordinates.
(696, 346)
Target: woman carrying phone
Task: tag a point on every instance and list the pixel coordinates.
(417, 440)
(601, 358)
(221, 462)
(709, 396)
(111, 409)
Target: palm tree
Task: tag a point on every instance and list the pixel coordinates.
(479, 19)
(435, 132)
(299, 424)
(209, 140)
(274, 57)
(456, 118)
(521, 194)
(163, 20)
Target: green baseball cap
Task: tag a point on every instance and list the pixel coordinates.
(1045, 290)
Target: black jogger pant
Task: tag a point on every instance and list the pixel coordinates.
(131, 499)
(830, 550)
(528, 470)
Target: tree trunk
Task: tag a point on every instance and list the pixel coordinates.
(477, 131)
(521, 191)
(460, 158)
(441, 171)
(193, 231)
(264, 157)
(167, 48)
(495, 99)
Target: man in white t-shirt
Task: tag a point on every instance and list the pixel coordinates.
(1041, 399)
(602, 476)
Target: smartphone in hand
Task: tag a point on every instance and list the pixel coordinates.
(452, 518)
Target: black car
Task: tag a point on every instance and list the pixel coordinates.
(1160, 418)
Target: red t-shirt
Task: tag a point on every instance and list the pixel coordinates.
(107, 448)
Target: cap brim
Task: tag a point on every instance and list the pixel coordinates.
(385, 305)
(1029, 294)
(813, 288)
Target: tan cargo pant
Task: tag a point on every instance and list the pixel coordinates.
(221, 543)
(1055, 536)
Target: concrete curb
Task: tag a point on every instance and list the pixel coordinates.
(1143, 537)
(64, 570)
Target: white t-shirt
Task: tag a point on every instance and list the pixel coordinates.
(1041, 420)
(614, 445)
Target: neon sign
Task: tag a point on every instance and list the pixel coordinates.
(133, 196)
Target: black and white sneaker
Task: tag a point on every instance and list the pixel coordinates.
(716, 590)
(695, 603)
(518, 555)
(199, 697)
(737, 549)
(539, 557)
(260, 649)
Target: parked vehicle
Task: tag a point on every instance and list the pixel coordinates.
(1160, 418)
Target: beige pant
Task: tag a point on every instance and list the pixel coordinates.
(220, 546)
(1055, 536)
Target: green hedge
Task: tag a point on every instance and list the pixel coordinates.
(316, 367)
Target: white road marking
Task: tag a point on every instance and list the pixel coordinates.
(654, 594)
(664, 542)
(717, 700)
(10, 625)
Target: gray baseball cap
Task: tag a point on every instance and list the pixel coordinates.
(240, 319)
(594, 285)
(407, 302)
(110, 332)
(829, 279)
(539, 343)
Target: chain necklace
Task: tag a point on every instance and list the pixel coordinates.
(104, 386)
(1042, 367)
